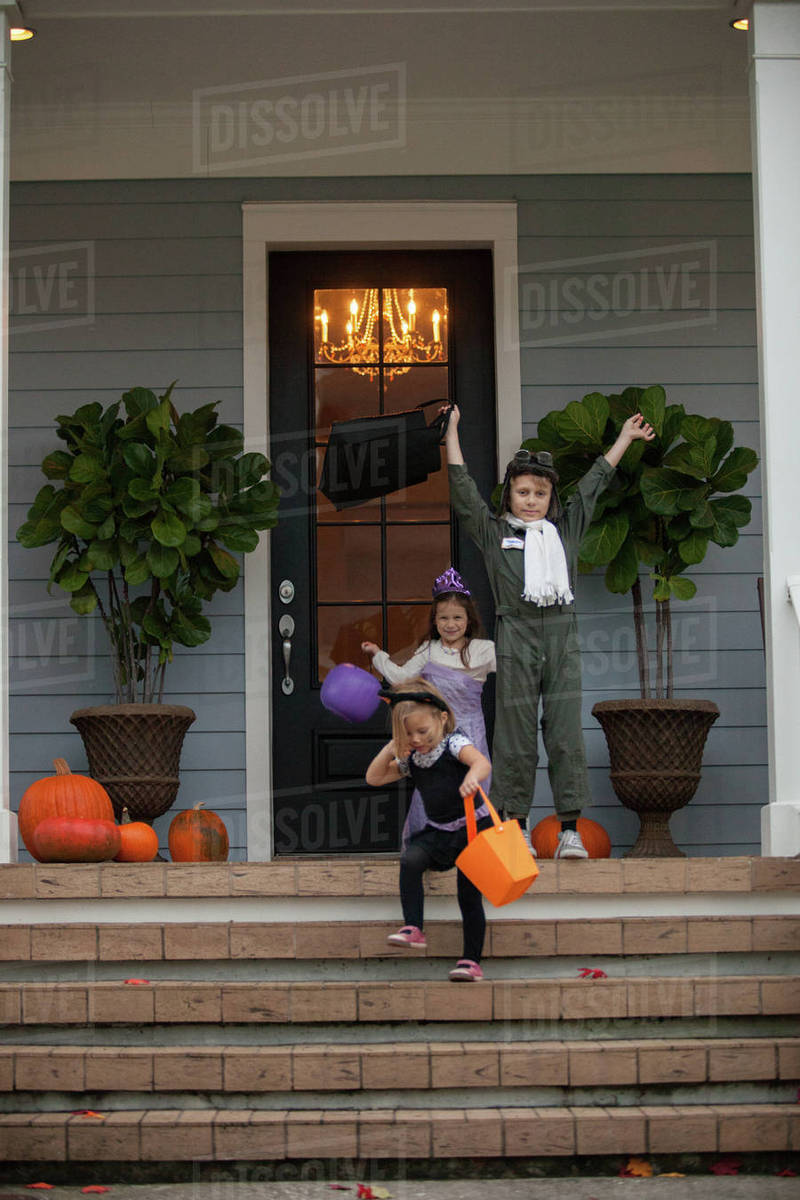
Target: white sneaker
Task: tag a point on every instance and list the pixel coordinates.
(570, 845)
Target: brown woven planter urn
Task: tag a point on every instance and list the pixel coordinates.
(134, 750)
(656, 751)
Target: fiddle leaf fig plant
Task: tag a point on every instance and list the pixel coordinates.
(148, 509)
(673, 499)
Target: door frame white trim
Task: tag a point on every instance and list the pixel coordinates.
(357, 226)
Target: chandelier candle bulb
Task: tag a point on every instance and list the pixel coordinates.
(436, 318)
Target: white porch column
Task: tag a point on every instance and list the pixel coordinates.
(8, 819)
(775, 102)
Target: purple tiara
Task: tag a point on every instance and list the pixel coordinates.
(450, 581)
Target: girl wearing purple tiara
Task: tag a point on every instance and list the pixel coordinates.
(456, 658)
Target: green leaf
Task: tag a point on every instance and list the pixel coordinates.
(136, 508)
(86, 469)
(107, 529)
(623, 571)
(84, 602)
(225, 442)
(167, 529)
(660, 588)
(584, 421)
(103, 555)
(142, 489)
(673, 419)
(723, 433)
(139, 400)
(697, 429)
(733, 473)
(192, 458)
(702, 516)
(137, 571)
(73, 521)
(548, 436)
(624, 406)
(57, 465)
(158, 418)
(653, 405)
(225, 563)
(139, 458)
(735, 509)
(682, 588)
(71, 578)
(604, 538)
(189, 630)
(668, 492)
(238, 538)
(693, 548)
(249, 470)
(162, 560)
(183, 491)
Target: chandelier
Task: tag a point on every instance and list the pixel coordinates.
(403, 344)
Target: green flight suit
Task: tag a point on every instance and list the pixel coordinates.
(537, 653)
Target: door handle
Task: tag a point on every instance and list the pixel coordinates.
(286, 630)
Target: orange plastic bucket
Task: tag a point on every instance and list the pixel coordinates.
(497, 860)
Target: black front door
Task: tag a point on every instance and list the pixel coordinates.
(352, 335)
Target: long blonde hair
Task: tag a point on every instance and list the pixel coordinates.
(403, 708)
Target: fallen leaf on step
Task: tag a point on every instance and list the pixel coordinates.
(787, 1171)
(49, 1186)
(95, 1187)
(670, 1175)
(726, 1166)
(637, 1167)
(135, 982)
(87, 1112)
(591, 973)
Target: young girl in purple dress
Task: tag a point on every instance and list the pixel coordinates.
(456, 658)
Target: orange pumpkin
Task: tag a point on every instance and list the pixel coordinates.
(198, 836)
(61, 795)
(138, 841)
(75, 839)
(544, 837)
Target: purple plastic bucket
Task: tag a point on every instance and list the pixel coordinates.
(350, 692)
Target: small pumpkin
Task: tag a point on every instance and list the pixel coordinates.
(61, 795)
(544, 837)
(75, 839)
(138, 840)
(198, 835)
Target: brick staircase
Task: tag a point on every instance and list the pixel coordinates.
(282, 1026)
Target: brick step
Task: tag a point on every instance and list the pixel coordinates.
(546, 999)
(221, 1135)
(395, 1065)
(242, 940)
(342, 876)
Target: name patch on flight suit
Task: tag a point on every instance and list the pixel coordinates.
(512, 543)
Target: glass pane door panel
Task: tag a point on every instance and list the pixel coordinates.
(341, 395)
(346, 325)
(416, 386)
(407, 626)
(415, 556)
(348, 563)
(415, 325)
(341, 629)
(360, 514)
(428, 501)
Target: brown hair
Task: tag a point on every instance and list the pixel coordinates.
(474, 624)
(403, 708)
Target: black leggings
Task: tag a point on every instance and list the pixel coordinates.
(414, 862)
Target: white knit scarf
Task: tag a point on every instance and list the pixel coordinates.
(546, 575)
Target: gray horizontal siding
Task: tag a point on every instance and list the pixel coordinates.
(167, 302)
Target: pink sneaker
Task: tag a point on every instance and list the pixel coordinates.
(466, 971)
(409, 935)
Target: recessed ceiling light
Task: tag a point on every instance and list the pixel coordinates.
(742, 23)
(21, 33)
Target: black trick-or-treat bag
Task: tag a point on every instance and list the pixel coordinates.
(373, 456)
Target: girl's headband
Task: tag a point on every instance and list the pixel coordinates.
(416, 697)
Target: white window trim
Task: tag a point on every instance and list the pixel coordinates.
(322, 226)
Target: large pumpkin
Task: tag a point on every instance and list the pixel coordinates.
(61, 795)
(138, 841)
(198, 836)
(75, 839)
(544, 837)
